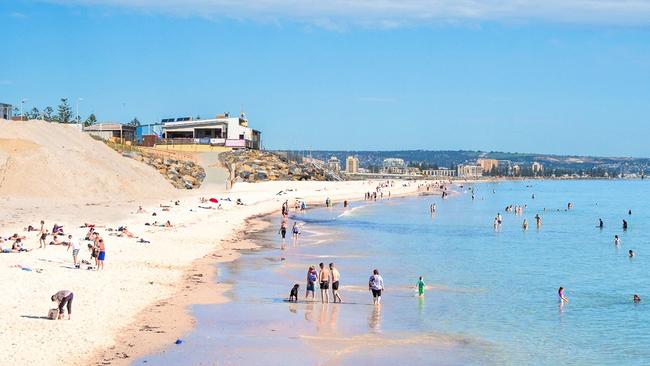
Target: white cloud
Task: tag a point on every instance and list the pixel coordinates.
(394, 13)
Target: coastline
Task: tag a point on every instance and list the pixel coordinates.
(159, 324)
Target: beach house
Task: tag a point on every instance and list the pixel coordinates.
(213, 134)
(6, 111)
(111, 131)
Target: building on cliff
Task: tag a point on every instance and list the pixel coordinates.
(215, 134)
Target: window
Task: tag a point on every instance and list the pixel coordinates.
(241, 136)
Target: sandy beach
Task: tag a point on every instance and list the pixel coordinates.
(136, 304)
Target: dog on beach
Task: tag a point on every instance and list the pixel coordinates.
(293, 296)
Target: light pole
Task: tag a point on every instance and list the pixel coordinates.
(78, 100)
(22, 115)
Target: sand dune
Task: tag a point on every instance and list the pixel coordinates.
(40, 159)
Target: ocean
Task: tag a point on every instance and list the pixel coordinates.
(491, 296)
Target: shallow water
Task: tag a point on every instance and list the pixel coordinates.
(491, 297)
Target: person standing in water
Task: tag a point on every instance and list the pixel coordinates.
(525, 224)
(421, 285)
(538, 221)
(283, 229)
(630, 253)
(560, 294)
(376, 285)
(295, 230)
(617, 240)
(600, 223)
(624, 224)
(336, 277)
(312, 276)
(324, 279)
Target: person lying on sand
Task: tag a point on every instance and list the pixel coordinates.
(16, 236)
(125, 231)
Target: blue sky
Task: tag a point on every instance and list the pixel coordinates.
(568, 78)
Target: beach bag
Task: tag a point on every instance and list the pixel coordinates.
(53, 314)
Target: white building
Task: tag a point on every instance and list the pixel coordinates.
(334, 163)
(469, 171)
(393, 163)
(220, 131)
(442, 172)
(537, 168)
(6, 111)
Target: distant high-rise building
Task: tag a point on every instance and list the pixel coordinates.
(334, 164)
(352, 165)
(537, 168)
(488, 165)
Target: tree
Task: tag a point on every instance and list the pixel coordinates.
(134, 122)
(47, 114)
(91, 120)
(64, 114)
(34, 114)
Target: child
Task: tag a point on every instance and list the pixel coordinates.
(421, 285)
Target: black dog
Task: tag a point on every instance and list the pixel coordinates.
(293, 296)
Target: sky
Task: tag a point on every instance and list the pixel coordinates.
(559, 77)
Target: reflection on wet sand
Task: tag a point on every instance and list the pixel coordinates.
(374, 319)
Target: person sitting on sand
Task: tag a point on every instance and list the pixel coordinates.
(168, 224)
(125, 231)
(57, 230)
(64, 298)
(17, 246)
(140, 210)
(636, 299)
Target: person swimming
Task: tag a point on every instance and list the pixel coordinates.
(636, 299)
(631, 253)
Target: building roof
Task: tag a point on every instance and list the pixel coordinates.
(109, 127)
(195, 123)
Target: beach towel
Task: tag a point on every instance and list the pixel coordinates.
(214, 200)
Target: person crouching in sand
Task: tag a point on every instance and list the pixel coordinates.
(64, 298)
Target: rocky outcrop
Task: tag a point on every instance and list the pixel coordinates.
(182, 174)
(259, 166)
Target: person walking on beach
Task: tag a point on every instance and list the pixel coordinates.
(421, 285)
(324, 279)
(64, 298)
(76, 246)
(42, 235)
(336, 277)
(560, 294)
(376, 285)
(312, 276)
